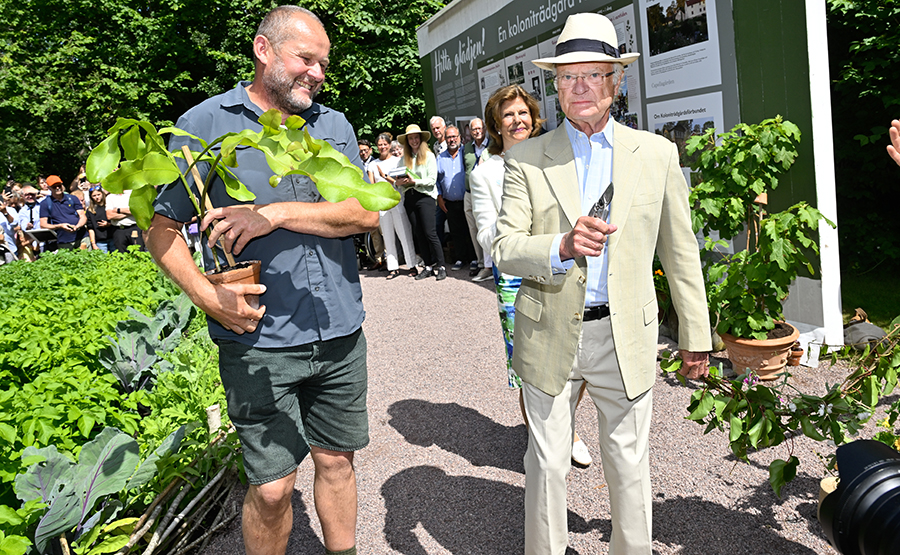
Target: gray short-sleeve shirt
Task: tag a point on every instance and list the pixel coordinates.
(312, 283)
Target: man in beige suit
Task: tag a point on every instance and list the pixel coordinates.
(586, 311)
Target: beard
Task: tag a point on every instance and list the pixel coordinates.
(280, 90)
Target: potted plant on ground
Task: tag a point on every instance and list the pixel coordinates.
(746, 289)
(765, 414)
(134, 157)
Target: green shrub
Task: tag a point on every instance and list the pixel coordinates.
(55, 314)
(56, 311)
(49, 423)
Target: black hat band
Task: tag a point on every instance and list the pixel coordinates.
(586, 45)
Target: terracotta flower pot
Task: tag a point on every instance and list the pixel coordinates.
(826, 486)
(242, 272)
(766, 357)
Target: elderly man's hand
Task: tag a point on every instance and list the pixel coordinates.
(587, 238)
(694, 365)
(894, 148)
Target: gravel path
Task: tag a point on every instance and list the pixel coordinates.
(443, 472)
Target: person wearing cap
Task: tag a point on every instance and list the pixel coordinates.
(64, 214)
(420, 194)
(586, 309)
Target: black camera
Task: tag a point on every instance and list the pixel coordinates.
(862, 516)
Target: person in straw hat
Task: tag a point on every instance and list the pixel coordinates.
(586, 309)
(420, 196)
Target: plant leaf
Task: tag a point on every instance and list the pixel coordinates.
(147, 470)
(104, 159)
(782, 472)
(104, 466)
(42, 481)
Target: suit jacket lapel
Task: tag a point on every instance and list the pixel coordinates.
(561, 175)
(627, 169)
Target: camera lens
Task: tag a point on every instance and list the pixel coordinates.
(862, 516)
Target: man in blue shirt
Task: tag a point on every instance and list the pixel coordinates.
(451, 188)
(64, 214)
(294, 369)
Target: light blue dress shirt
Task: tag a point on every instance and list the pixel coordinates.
(593, 166)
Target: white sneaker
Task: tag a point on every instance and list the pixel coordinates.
(483, 274)
(580, 454)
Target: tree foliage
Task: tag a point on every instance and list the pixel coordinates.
(375, 76)
(864, 49)
(69, 68)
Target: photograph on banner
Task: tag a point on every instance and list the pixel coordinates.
(682, 118)
(680, 44)
(550, 110)
(520, 71)
(491, 76)
(627, 106)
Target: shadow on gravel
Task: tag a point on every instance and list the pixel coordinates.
(700, 526)
(463, 514)
(303, 538)
(460, 430)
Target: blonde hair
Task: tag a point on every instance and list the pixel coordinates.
(421, 154)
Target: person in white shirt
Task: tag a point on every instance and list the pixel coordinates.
(126, 231)
(394, 222)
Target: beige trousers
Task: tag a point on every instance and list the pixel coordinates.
(624, 451)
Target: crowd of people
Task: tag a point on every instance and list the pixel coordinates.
(572, 268)
(434, 216)
(47, 218)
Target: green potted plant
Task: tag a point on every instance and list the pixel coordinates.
(746, 289)
(761, 414)
(134, 157)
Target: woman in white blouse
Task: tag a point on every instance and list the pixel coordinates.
(511, 115)
(394, 222)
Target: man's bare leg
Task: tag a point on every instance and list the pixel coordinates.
(268, 516)
(334, 490)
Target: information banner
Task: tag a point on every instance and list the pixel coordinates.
(680, 45)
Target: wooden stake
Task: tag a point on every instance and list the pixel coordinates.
(207, 204)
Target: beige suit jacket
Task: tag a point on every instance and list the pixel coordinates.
(541, 199)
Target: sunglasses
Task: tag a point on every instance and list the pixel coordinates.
(95, 188)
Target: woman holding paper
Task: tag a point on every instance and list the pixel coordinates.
(420, 201)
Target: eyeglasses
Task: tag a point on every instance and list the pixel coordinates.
(568, 80)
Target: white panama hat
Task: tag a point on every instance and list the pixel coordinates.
(587, 37)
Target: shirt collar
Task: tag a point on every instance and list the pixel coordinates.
(238, 97)
(605, 135)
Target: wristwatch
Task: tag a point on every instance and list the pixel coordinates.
(118, 210)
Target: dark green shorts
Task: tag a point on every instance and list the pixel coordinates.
(283, 400)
